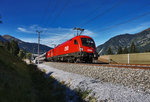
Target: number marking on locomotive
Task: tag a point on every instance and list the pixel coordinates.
(66, 48)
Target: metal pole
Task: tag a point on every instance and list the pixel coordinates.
(128, 58)
(38, 44)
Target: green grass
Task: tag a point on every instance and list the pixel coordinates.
(20, 82)
(84, 94)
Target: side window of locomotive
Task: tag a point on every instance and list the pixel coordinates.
(75, 42)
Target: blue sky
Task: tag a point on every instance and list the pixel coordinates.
(101, 19)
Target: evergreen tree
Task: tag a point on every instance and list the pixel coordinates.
(133, 48)
(125, 51)
(119, 50)
(109, 51)
(7, 45)
(148, 50)
(14, 48)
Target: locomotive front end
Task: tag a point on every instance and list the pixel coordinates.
(88, 49)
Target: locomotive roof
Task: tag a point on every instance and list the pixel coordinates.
(79, 36)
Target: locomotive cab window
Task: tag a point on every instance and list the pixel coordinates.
(88, 42)
(75, 42)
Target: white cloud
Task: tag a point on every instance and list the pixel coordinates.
(51, 36)
(22, 29)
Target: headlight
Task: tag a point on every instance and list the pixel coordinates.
(81, 49)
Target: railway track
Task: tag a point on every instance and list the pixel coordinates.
(133, 66)
(125, 66)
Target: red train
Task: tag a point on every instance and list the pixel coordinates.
(78, 49)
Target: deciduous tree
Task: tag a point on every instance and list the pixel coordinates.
(21, 54)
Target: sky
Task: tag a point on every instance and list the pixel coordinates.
(101, 19)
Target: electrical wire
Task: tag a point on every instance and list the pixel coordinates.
(135, 12)
(103, 13)
(127, 21)
(53, 11)
(93, 11)
(45, 12)
(60, 12)
(51, 14)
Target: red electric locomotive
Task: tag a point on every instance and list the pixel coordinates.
(78, 49)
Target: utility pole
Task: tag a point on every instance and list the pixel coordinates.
(78, 30)
(38, 44)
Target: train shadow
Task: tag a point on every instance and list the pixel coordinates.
(60, 87)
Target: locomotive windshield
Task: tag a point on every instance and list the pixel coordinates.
(87, 42)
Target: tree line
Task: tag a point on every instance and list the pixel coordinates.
(14, 49)
(124, 50)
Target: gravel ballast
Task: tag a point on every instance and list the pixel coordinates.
(103, 91)
(138, 79)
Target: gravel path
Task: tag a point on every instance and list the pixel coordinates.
(98, 80)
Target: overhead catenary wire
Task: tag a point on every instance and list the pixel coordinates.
(50, 14)
(41, 21)
(135, 12)
(60, 12)
(53, 11)
(45, 12)
(127, 21)
(124, 22)
(93, 11)
(106, 11)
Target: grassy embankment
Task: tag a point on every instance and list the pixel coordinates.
(20, 82)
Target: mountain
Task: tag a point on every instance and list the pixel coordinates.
(141, 40)
(29, 47)
(2, 39)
